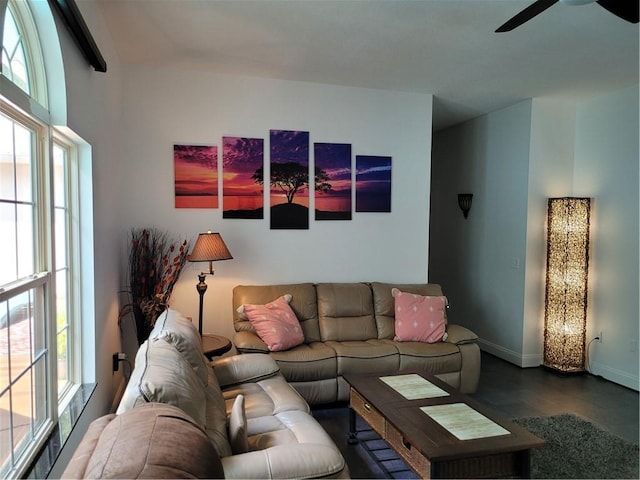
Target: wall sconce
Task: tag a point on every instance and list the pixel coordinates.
(565, 306)
(209, 247)
(464, 201)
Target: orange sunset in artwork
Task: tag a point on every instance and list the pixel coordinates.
(196, 176)
(242, 177)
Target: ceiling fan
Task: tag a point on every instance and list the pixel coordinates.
(625, 9)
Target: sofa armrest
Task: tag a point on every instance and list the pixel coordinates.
(249, 342)
(77, 466)
(251, 367)
(287, 461)
(460, 335)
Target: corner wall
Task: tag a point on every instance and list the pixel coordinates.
(480, 260)
(606, 169)
(589, 149)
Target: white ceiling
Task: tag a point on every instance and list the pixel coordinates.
(444, 47)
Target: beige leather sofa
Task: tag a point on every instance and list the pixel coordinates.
(254, 424)
(349, 327)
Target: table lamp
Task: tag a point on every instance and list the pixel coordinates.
(209, 247)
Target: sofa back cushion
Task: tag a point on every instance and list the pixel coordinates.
(180, 332)
(384, 303)
(303, 303)
(151, 441)
(162, 374)
(345, 312)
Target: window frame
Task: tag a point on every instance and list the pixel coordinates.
(31, 111)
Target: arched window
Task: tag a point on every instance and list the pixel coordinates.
(39, 244)
(14, 60)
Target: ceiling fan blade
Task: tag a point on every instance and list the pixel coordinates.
(625, 9)
(527, 14)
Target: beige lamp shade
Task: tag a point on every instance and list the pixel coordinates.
(209, 247)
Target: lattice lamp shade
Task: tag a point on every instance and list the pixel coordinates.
(565, 316)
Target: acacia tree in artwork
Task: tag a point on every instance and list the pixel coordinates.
(291, 178)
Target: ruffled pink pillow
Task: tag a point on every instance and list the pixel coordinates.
(419, 318)
(276, 324)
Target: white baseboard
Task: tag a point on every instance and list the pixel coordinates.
(527, 361)
(511, 356)
(622, 378)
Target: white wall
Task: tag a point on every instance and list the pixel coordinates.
(606, 169)
(166, 106)
(562, 149)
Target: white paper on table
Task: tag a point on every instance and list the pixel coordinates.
(464, 422)
(412, 386)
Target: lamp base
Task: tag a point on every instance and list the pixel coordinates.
(564, 370)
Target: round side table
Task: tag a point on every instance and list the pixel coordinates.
(214, 345)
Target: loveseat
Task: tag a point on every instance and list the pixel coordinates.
(181, 416)
(352, 328)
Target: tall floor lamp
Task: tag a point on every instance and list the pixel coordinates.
(565, 315)
(209, 247)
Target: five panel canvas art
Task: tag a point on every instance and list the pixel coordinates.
(289, 184)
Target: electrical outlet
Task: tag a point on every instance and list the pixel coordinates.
(115, 362)
(600, 338)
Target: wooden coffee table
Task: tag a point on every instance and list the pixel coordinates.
(438, 431)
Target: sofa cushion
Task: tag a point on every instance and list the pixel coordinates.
(265, 397)
(384, 303)
(303, 303)
(242, 315)
(238, 427)
(162, 374)
(436, 358)
(290, 444)
(275, 323)
(345, 312)
(251, 367)
(419, 318)
(306, 362)
(179, 331)
(150, 441)
(365, 356)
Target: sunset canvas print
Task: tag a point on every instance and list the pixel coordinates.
(373, 184)
(242, 177)
(289, 179)
(332, 168)
(196, 176)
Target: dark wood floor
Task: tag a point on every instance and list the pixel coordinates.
(516, 392)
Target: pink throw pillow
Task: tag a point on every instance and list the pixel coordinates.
(276, 324)
(419, 318)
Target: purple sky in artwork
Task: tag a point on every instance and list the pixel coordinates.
(289, 146)
(335, 160)
(373, 184)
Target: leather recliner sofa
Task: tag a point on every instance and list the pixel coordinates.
(349, 328)
(183, 417)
